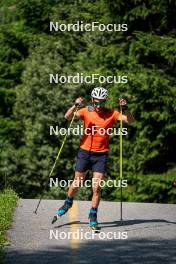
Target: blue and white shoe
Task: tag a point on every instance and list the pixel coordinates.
(93, 220)
(61, 211)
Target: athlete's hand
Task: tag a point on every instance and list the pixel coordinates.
(79, 101)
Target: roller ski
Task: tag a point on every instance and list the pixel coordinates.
(63, 209)
(93, 221)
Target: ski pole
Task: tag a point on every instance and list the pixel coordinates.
(58, 155)
(121, 163)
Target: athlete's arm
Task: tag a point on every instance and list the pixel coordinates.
(71, 110)
(127, 117)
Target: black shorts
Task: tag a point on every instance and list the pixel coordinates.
(88, 160)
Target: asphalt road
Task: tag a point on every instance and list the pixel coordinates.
(146, 235)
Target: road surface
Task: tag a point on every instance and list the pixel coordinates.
(146, 235)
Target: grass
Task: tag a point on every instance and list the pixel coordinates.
(8, 201)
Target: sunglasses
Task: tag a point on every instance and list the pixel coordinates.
(100, 103)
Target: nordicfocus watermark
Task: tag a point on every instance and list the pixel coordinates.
(79, 78)
(79, 234)
(94, 130)
(87, 27)
(55, 182)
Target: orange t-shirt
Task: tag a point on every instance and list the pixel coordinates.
(96, 128)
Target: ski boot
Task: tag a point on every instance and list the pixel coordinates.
(63, 209)
(93, 220)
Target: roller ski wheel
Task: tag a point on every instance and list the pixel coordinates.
(55, 218)
(95, 228)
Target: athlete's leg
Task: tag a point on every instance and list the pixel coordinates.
(82, 163)
(96, 182)
(79, 177)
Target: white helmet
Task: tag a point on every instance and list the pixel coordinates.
(99, 93)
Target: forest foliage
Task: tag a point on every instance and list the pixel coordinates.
(29, 104)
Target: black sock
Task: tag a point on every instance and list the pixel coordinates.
(69, 199)
(94, 209)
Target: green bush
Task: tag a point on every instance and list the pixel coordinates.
(148, 188)
(8, 201)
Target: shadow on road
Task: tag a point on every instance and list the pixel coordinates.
(131, 251)
(134, 222)
(70, 223)
(120, 223)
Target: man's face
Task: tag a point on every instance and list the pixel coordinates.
(98, 104)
